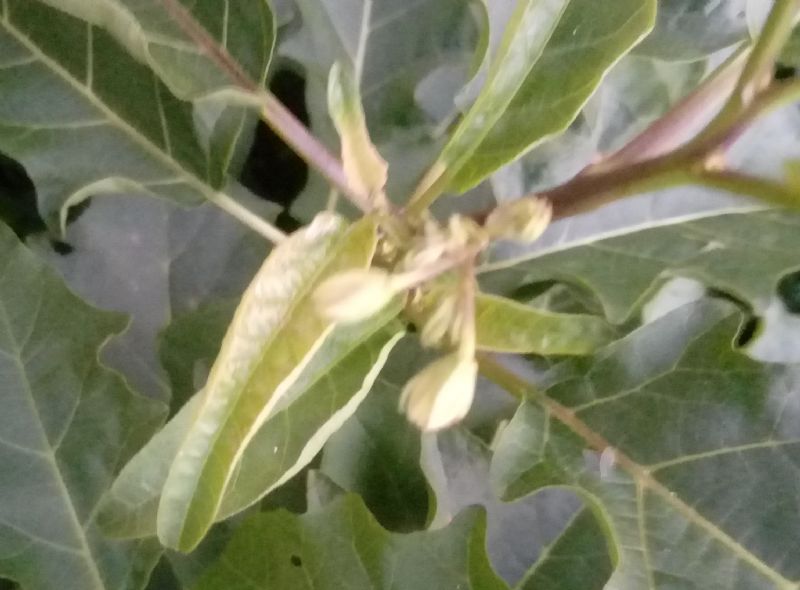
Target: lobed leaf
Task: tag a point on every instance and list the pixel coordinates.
(376, 453)
(68, 424)
(84, 118)
(343, 546)
(196, 48)
(744, 254)
(551, 58)
(577, 560)
(696, 482)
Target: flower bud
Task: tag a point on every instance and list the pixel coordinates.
(523, 220)
(354, 295)
(441, 394)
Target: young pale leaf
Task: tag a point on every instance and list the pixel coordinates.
(84, 118)
(553, 55)
(744, 254)
(274, 333)
(366, 170)
(342, 546)
(503, 325)
(196, 49)
(328, 391)
(66, 426)
(694, 437)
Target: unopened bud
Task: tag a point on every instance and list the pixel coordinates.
(522, 220)
(441, 394)
(442, 321)
(354, 295)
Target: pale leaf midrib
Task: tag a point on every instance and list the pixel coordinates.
(85, 548)
(644, 480)
(114, 119)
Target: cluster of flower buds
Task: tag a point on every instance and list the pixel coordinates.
(440, 394)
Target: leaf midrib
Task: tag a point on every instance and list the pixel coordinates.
(110, 114)
(639, 474)
(48, 454)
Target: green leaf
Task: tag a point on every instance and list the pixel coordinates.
(552, 57)
(457, 465)
(197, 49)
(744, 254)
(578, 560)
(189, 345)
(328, 391)
(84, 118)
(215, 53)
(275, 332)
(503, 325)
(688, 30)
(343, 546)
(696, 482)
(376, 452)
(67, 425)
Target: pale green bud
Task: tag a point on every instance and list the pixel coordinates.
(441, 394)
(354, 295)
(523, 220)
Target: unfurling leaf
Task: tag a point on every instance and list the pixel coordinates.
(364, 167)
(327, 392)
(274, 334)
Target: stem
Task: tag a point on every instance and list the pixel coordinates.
(686, 165)
(310, 149)
(681, 122)
(277, 116)
(247, 217)
(757, 71)
(734, 182)
(773, 37)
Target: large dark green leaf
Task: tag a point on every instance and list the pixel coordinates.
(84, 118)
(67, 425)
(578, 560)
(457, 465)
(376, 452)
(744, 254)
(342, 546)
(196, 48)
(552, 57)
(215, 53)
(327, 392)
(698, 450)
